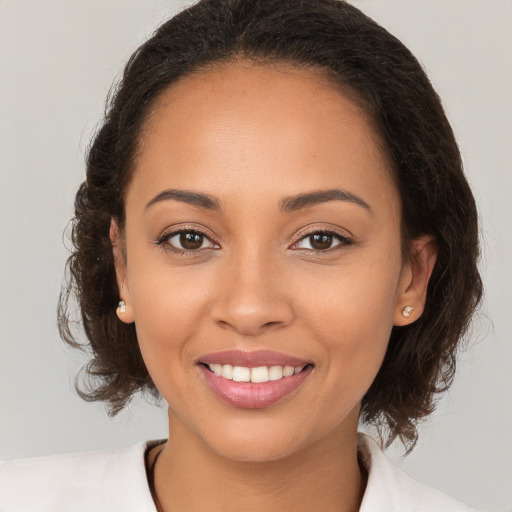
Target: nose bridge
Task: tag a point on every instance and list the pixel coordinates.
(252, 299)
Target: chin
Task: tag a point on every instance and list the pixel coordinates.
(261, 450)
(261, 441)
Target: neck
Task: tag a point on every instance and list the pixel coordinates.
(326, 476)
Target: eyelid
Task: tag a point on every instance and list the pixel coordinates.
(172, 231)
(341, 235)
(344, 239)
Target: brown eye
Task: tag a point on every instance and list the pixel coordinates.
(322, 241)
(187, 241)
(191, 241)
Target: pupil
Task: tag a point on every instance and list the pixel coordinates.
(191, 241)
(321, 241)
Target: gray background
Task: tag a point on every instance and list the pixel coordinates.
(57, 61)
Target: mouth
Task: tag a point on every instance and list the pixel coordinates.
(253, 380)
(256, 375)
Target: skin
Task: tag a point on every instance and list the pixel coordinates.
(252, 136)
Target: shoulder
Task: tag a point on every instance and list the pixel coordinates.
(113, 480)
(389, 489)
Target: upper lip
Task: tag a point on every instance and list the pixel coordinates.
(252, 359)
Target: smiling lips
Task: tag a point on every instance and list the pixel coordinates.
(255, 375)
(252, 380)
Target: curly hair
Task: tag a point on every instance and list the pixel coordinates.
(357, 55)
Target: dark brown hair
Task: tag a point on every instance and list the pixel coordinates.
(357, 55)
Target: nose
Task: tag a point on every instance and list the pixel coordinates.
(252, 297)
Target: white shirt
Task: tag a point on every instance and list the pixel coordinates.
(115, 481)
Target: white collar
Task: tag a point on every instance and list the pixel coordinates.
(116, 480)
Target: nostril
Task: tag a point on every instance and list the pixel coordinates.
(248, 325)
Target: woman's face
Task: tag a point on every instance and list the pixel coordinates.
(262, 230)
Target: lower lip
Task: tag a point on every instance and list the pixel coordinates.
(250, 395)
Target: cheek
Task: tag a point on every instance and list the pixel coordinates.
(357, 295)
(350, 310)
(169, 305)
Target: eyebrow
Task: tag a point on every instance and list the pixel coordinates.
(293, 203)
(288, 204)
(187, 196)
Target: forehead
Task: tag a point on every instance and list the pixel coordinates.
(254, 127)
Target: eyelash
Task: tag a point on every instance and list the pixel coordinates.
(162, 241)
(343, 240)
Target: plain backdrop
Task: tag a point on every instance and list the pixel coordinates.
(57, 61)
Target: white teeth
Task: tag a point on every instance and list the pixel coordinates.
(259, 374)
(256, 375)
(288, 371)
(216, 368)
(275, 373)
(227, 371)
(241, 374)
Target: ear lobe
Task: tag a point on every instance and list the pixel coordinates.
(416, 274)
(124, 310)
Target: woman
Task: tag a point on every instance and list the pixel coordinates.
(276, 235)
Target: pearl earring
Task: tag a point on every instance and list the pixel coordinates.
(407, 311)
(122, 306)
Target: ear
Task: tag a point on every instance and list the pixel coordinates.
(414, 279)
(124, 313)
